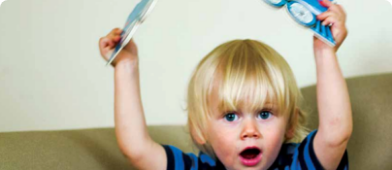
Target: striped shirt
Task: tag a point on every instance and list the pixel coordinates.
(292, 156)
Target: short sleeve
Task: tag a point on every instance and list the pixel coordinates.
(305, 158)
(178, 160)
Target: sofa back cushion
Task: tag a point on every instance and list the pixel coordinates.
(370, 146)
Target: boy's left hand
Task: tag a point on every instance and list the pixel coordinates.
(336, 17)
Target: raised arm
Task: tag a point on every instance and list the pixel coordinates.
(335, 117)
(130, 125)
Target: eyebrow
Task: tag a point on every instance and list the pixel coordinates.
(268, 105)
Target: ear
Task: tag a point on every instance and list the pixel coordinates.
(292, 124)
(198, 137)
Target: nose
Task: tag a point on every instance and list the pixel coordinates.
(250, 130)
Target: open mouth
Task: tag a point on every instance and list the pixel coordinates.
(250, 156)
(250, 153)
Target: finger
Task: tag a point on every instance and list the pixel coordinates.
(104, 42)
(116, 31)
(329, 21)
(331, 16)
(336, 8)
(117, 38)
(103, 45)
(332, 6)
(325, 3)
(114, 37)
(325, 15)
(109, 42)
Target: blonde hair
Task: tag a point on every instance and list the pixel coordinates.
(247, 68)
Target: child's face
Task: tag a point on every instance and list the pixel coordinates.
(230, 134)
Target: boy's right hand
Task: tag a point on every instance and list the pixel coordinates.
(107, 44)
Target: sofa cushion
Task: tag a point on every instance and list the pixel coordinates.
(370, 146)
(61, 150)
(97, 149)
(87, 149)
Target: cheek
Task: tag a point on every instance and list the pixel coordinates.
(224, 142)
(222, 138)
(275, 133)
(274, 138)
(222, 133)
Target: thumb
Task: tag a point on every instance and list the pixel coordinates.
(325, 3)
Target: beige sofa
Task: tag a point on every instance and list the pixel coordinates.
(370, 146)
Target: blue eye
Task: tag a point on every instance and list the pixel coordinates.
(231, 117)
(264, 115)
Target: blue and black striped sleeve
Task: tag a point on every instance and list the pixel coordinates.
(178, 160)
(305, 158)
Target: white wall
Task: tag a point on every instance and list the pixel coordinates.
(52, 75)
